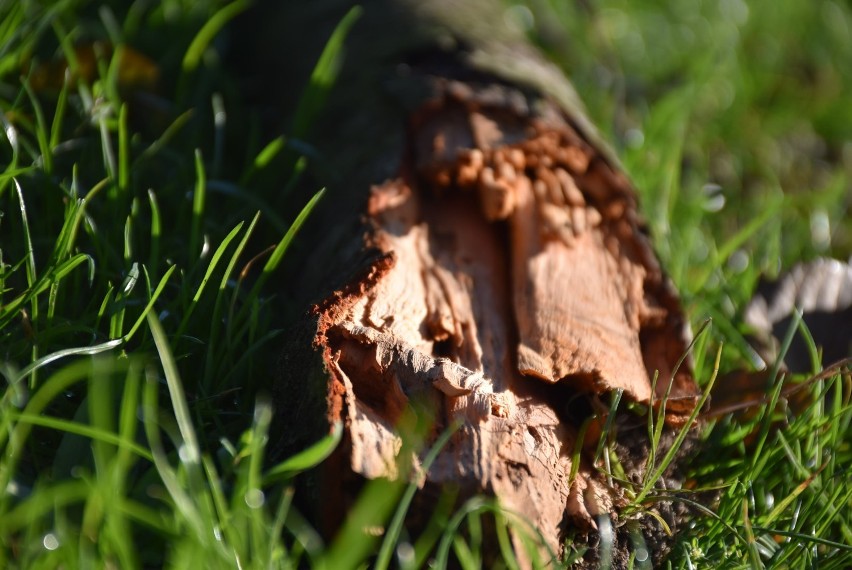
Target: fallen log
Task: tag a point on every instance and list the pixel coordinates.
(481, 256)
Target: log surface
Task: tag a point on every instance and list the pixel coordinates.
(489, 263)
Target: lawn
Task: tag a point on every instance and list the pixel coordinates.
(146, 210)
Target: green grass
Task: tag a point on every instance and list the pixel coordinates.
(138, 245)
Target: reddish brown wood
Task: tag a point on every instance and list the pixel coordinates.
(513, 266)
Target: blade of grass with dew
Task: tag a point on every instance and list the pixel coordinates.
(277, 550)
(152, 518)
(578, 448)
(196, 502)
(464, 553)
(788, 500)
(352, 545)
(366, 520)
(108, 76)
(483, 504)
(193, 503)
(615, 399)
(101, 407)
(128, 239)
(217, 496)
(165, 138)
(105, 304)
(434, 530)
(753, 553)
(307, 539)
(505, 542)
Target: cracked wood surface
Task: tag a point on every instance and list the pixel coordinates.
(505, 279)
(512, 260)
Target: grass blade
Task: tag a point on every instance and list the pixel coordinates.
(323, 76)
(206, 34)
(306, 459)
(192, 455)
(80, 351)
(280, 249)
(198, 199)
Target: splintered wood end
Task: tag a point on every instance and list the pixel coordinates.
(519, 269)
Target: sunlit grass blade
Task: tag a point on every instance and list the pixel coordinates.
(211, 267)
(307, 458)
(530, 536)
(184, 505)
(123, 149)
(788, 500)
(165, 138)
(658, 471)
(42, 502)
(192, 451)
(214, 331)
(324, 75)
(774, 388)
(264, 157)
(56, 384)
(84, 430)
(41, 129)
(198, 201)
(78, 351)
(156, 230)
(395, 527)
(116, 324)
(280, 249)
(30, 255)
(206, 34)
(246, 195)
